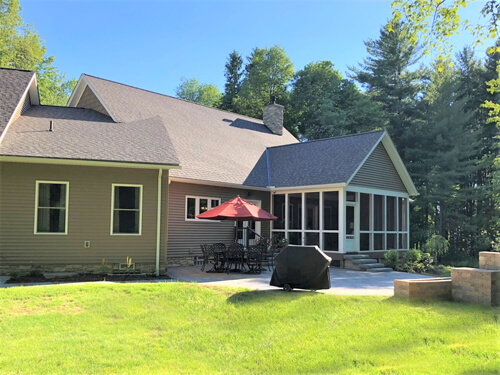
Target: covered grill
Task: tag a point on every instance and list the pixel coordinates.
(302, 267)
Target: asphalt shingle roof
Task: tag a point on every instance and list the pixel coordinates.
(85, 134)
(13, 83)
(325, 161)
(212, 145)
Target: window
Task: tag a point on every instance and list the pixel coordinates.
(126, 209)
(198, 205)
(51, 211)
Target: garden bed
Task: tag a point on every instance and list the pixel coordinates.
(84, 277)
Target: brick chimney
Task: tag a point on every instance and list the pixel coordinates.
(273, 116)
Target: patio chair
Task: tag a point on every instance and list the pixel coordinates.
(220, 253)
(269, 255)
(255, 255)
(208, 256)
(235, 257)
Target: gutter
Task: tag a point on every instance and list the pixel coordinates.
(158, 224)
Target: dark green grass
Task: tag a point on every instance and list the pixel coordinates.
(186, 328)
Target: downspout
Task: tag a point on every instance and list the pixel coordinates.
(158, 224)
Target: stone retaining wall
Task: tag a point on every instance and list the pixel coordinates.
(423, 289)
(477, 286)
(489, 260)
(180, 261)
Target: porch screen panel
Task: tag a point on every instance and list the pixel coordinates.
(295, 238)
(365, 212)
(312, 238)
(391, 214)
(379, 241)
(364, 241)
(279, 211)
(378, 213)
(295, 211)
(402, 222)
(331, 241)
(312, 211)
(331, 210)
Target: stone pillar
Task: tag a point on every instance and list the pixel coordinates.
(489, 260)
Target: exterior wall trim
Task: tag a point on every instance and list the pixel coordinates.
(215, 183)
(89, 163)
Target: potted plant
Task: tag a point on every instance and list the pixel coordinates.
(279, 242)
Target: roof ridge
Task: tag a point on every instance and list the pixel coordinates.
(173, 97)
(330, 138)
(19, 70)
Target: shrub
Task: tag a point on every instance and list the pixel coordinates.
(14, 275)
(416, 262)
(35, 273)
(391, 259)
(413, 255)
(103, 269)
(437, 246)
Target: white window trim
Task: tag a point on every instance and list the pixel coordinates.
(197, 205)
(35, 229)
(113, 209)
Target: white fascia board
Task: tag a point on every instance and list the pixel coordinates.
(399, 165)
(77, 92)
(30, 90)
(308, 188)
(88, 163)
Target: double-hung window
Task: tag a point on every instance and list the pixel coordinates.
(126, 209)
(198, 205)
(51, 211)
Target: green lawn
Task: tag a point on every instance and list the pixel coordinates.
(185, 328)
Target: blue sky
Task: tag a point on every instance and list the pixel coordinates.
(152, 44)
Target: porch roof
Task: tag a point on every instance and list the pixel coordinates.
(321, 162)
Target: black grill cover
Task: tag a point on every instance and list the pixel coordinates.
(302, 267)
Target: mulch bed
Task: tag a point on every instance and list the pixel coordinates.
(84, 278)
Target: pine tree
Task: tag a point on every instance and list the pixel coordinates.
(233, 74)
(387, 77)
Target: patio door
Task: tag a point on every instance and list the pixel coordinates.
(243, 234)
(351, 228)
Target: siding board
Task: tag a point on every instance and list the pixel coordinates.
(185, 237)
(379, 172)
(89, 216)
(89, 100)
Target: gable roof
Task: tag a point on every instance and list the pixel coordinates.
(14, 83)
(320, 162)
(212, 145)
(84, 134)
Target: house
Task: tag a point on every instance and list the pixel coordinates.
(122, 172)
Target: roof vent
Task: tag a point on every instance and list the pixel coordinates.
(51, 126)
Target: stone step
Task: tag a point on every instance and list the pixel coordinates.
(372, 265)
(383, 269)
(363, 261)
(356, 256)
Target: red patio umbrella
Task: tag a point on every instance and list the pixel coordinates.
(237, 209)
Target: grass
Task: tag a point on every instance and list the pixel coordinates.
(187, 329)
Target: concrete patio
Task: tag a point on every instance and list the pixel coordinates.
(345, 282)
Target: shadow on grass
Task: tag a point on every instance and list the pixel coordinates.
(267, 296)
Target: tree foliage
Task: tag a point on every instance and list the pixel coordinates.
(22, 48)
(233, 73)
(194, 91)
(267, 73)
(324, 104)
